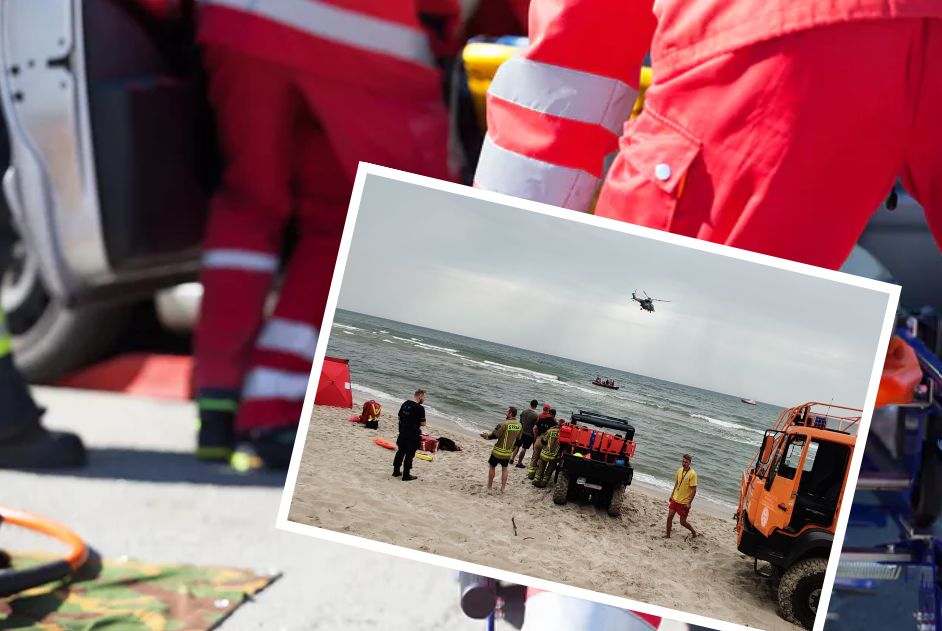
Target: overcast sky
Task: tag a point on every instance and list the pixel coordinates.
(498, 273)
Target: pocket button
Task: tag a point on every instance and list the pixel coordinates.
(662, 172)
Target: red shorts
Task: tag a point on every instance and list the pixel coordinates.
(680, 509)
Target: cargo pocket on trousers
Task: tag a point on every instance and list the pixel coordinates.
(656, 157)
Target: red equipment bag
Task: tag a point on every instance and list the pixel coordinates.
(565, 434)
(427, 443)
(581, 436)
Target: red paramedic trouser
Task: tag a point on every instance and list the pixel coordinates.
(787, 147)
(291, 142)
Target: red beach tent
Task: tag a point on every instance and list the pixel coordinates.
(334, 387)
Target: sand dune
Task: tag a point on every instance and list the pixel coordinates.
(344, 484)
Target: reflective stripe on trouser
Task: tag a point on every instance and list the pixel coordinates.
(292, 142)
(271, 398)
(334, 23)
(289, 336)
(544, 470)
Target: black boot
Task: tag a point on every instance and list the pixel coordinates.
(35, 447)
(264, 449)
(408, 478)
(216, 427)
(24, 442)
(396, 473)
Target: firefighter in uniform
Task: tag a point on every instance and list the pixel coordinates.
(771, 125)
(302, 91)
(549, 454)
(506, 433)
(543, 424)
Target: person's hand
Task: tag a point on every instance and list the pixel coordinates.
(483, 434)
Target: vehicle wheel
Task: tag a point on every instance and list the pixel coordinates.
(618, 498)
(561, 490)
(50, 339)
(800, 589)
(927, 491)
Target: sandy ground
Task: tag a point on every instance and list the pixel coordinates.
(144, 496)
(345, 484)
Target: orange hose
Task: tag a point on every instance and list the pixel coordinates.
(78, 551)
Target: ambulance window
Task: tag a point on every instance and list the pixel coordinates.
(789, 466)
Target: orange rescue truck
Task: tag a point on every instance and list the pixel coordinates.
(790, 499)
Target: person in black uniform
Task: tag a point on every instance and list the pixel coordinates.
(411, 422)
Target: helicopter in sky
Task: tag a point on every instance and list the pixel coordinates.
(647, 303)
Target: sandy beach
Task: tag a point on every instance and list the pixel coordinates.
(344, 484)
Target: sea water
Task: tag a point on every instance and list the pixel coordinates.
(471, 383)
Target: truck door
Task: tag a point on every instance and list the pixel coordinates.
(109, 170)
(822, 481)
(778, 502)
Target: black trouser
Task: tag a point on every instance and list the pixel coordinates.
(405, 454)
(16, 403)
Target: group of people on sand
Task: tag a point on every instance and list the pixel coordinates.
(540, 431)
(514, 436)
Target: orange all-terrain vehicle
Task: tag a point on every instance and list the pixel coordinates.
(790, 499)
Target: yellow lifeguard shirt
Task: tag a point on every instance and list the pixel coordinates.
(686, 481)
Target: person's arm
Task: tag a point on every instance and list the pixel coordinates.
(693, 487)
(497, 433)
(556, 111)
(673, 489)
(422, 419)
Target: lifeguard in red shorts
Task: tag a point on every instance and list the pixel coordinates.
(302, 91)
(685, 489)
(776, 126)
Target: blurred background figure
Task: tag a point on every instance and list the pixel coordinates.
(24, 442)
(495, 18)
(511, 606)
(302, 90)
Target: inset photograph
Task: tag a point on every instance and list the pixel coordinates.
(564, 400)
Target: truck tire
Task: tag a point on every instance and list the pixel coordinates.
(800, 589)
(561, 490)
(618, 498)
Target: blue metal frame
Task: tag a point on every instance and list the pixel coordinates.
(880, 534)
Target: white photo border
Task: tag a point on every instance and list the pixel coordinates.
(367, 170)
